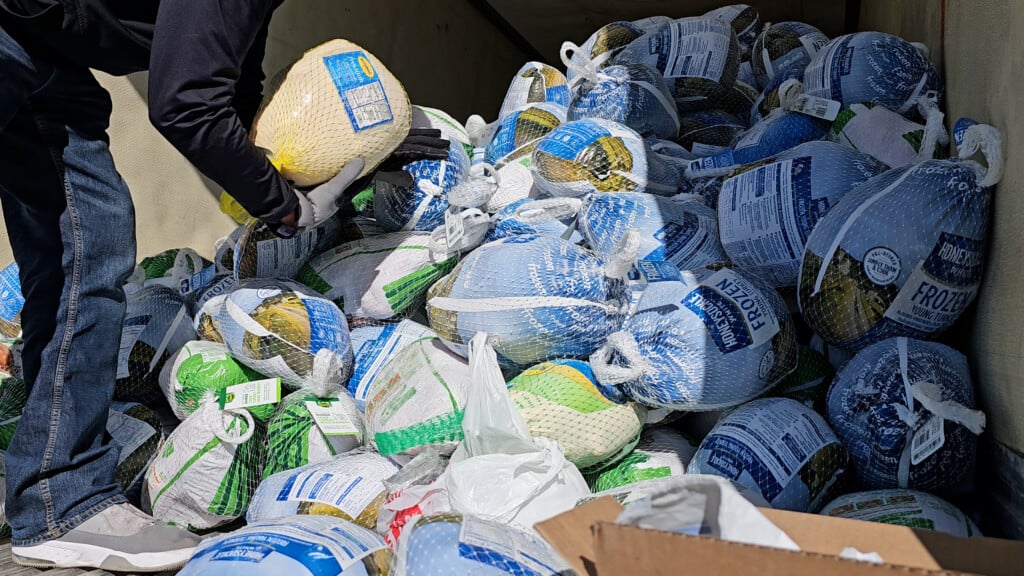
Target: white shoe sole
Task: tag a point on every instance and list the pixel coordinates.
(56, 554)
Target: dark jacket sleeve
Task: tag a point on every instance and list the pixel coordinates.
(200, 100)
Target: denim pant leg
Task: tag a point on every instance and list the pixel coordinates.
(71, 223)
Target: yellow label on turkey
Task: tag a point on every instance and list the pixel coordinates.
(367, 67)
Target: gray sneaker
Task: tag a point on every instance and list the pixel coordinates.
(120, 539)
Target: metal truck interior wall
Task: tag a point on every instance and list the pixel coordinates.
(459, 55)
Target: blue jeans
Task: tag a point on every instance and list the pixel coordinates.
(71, 225)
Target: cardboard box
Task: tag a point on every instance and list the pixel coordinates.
(588, 538)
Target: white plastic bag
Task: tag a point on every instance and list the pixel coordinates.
(498, 471)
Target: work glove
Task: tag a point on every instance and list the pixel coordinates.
(321, 203)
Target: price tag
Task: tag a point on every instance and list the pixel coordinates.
(818, 107)
(249, 394)
(454, 229)
(927, 440)
(331, 418)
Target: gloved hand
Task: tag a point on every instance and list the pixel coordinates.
(318, 205)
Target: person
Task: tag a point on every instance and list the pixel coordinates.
(70, 221)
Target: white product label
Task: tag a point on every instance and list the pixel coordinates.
(927, 440)
(813, 42)
(128, 433)
(454, 229)
(249, 394)
(699, 49)
(818, 107)
(330, 417)
(133, 328)
(882, 266)
(723, 159)
(351, 491)
(480, 540)
(928, 305)
(701, 149)
(757, 218)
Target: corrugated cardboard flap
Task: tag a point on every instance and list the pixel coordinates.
(593, 544)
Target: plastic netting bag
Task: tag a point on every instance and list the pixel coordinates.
(739, 101)
(918, 510)
(745, 21)
(776, 133)
(779, 448)
(701, 340)
(136, 432)
(637, 492)
(809, 383)
(259, 253)
(784, 45)
(708, 132)
(207, 469)
(155, 327)
(11, 301)
(281, 331)
(679, 229)
(661, 453)
(466, 544)
(349, 486)
(338, 102)
(13, 396)
(421, 207)
(872, 67)
(220, 285)
(198, 374)
(771, 96)
(381, 277)
(534, 83)
(670, 148)
(905, 411)
(864, 279)
(538, 297)
(294, 545)
(560, 400)
(635, 95)
(605, 43)
(518, 132)
(224, 251)
(888, 136)
(417, 400)
(532, 216)
(179, 269)
(766, 213)
(312, 426)
(699, 58)
(374, 344)
(598, 155)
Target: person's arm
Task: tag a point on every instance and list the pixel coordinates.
(201, 103)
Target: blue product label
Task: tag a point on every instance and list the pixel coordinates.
(659, 271)
(723, 159)
(246, 548)
(806, 209)
(504, 140)
(366, 354)
(244, 553)
(360, 89)
(674, 237)
(569, 140)
(500, 561)
(558, 94)
(722, 317)
(199, 280)
(326, 325)
(841, 67)
(955, 260)
(735, 460)
(11, 299)
(960, 129)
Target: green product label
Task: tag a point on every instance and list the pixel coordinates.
(438, 430)
(629, 471)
